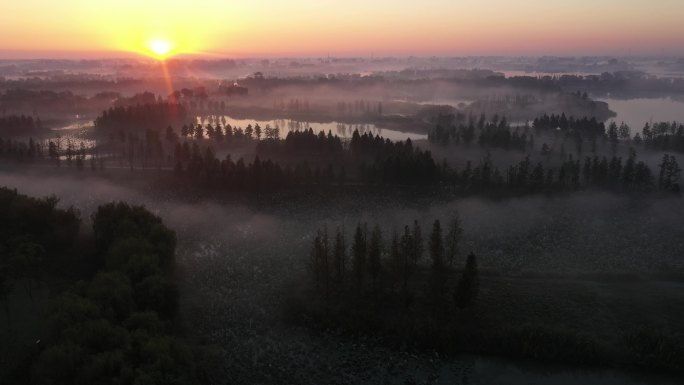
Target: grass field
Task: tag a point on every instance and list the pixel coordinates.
(616, 322)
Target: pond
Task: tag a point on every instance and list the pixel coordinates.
(76, 135)
(343, 130)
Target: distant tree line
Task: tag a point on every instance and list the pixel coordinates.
(386, 162)
(494, 133)
(221, 131)
(118, 121)
(600, 172)
(204, 168)
(16, 125)
(307, 159)
(379, 161)
(21, 150)
(662, 136)
(303, 142)
(659, 136)
(44, 102)
(359, 107)
(623, 84)
(497, 133)
(587, 127)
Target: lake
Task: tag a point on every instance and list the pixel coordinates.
(636, 112)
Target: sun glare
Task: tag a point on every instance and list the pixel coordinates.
(160, 48)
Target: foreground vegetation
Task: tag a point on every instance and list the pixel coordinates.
(111, 318)
(384, 291)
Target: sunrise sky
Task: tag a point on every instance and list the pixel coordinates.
(90, 28)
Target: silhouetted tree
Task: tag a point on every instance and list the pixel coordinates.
(375, 256)
(396, 261)
(669, 174)
(453, 239)
(407, 250)
(468, 286)
(359, 252)
(613, 135)
(316, 259)
(438, 273)
(340, 256)
(417, 243)
(437, 245)
(5, 291)
(27, 260)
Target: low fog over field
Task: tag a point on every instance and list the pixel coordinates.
(584, 233)
(238, 264)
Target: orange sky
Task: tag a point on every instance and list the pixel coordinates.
(353, 27)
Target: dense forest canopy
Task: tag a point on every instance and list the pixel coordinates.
(112, 323)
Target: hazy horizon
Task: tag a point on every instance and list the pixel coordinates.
(81, 29)
(14, 55)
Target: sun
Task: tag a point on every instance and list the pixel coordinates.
(160, 47)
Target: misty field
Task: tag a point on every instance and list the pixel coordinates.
(591, 269)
